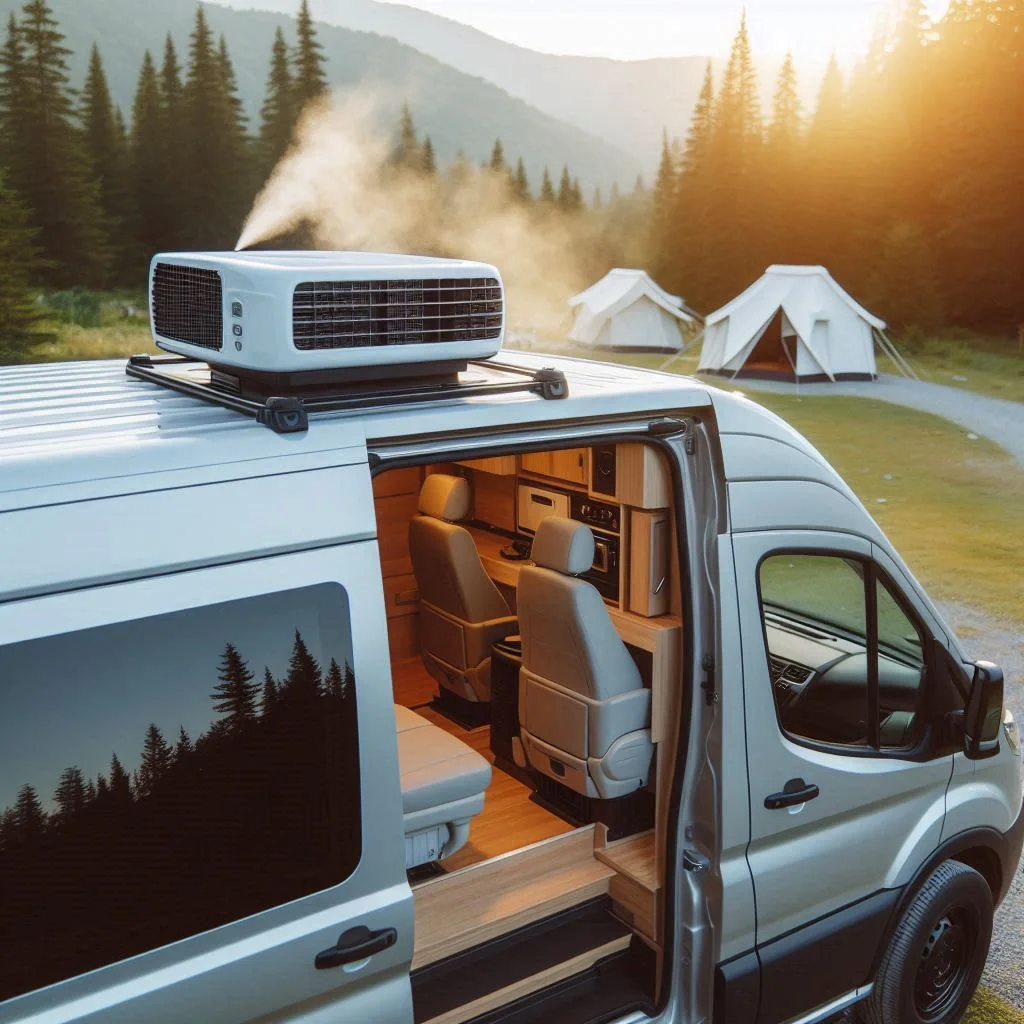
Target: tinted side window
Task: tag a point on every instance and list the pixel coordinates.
(846, 662)
(164, 776)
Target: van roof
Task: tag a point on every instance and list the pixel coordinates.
(70, 431)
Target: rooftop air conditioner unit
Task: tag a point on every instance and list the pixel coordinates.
(325, 316)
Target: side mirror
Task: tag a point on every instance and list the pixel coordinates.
(984, 712)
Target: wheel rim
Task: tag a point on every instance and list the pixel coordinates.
(945, 967)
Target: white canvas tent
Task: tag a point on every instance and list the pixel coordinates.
(627, 310)
(795, 323)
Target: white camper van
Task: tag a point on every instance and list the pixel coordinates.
(353, 670)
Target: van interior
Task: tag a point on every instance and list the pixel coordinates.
(535, 634)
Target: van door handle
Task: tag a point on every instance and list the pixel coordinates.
(796, 791)
(355, 944)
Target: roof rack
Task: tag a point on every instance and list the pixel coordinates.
(288, 414)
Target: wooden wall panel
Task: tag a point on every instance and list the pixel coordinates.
(494, 500)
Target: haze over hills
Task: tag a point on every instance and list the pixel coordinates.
(626, 103)
(456, 110)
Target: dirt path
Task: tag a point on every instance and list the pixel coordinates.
(999, 420)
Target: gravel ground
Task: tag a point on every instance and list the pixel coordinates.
(985, 637)
(1000, 420)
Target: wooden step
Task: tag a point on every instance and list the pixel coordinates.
(480, 902)
(634, 889)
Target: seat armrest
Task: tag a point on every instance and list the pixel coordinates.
(481, 636)
(617, 716)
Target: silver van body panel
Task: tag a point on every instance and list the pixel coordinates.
(264, 963)
(795, 855)
(84, 543)
(737, 932)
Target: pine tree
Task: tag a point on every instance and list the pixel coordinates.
(102, 788)
(782, 181)
(184, 746)
(120, 783)
(577, 195)
(564, 199)
(334, 685)
(157, 758)
(170, 215)
(239, 183)
(105, 150)
(14, 124)
(277, 116)
(57, 186)
(407, 151)
(235, 696)
(497, 161)
(520, 183)
(70, 794)
(29, 816)
(302, 685)
(662, 228)
(101, 138)
(427, 159)
(8, 829)
(149, 184)
(20, 316)
(597, 203)
(216, 197)
(689, 225)
(547, 192)
(268, 698)
(310, 77)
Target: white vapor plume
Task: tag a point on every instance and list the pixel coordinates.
(337, 184)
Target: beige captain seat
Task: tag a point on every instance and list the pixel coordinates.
(584, 713)
(462, 613)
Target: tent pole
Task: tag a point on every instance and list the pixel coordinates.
(886, 345)
(675, 355)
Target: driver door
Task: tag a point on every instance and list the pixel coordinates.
(855, 819)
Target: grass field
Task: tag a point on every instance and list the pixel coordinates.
(954, 508)
(972, 366)
(990, 1009)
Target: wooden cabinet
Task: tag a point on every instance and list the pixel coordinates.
(641, 477)
(497, 465)
(571, 465)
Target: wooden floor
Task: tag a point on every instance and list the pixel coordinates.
(509, 820)
(480, 902)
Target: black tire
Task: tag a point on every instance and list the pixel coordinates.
(936, 954)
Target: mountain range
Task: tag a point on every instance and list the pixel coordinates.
(457, 110)
(603, 118)
(627, 103)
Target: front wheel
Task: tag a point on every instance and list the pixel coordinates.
(936, 954)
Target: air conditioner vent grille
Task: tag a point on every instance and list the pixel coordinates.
(188, 305)
(363, 314)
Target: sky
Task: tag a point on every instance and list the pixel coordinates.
(76, 698)
(633, 29)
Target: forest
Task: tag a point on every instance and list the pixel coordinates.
(905, 179)
(181, 844)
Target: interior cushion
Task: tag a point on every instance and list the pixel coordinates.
(563, 545)
(445, 497)
(435, 767)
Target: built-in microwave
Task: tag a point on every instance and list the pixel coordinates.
(534, 503)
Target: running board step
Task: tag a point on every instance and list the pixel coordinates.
(516, 964)
(615, 985)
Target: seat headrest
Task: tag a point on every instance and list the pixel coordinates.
(445, 497)
(563, 545)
